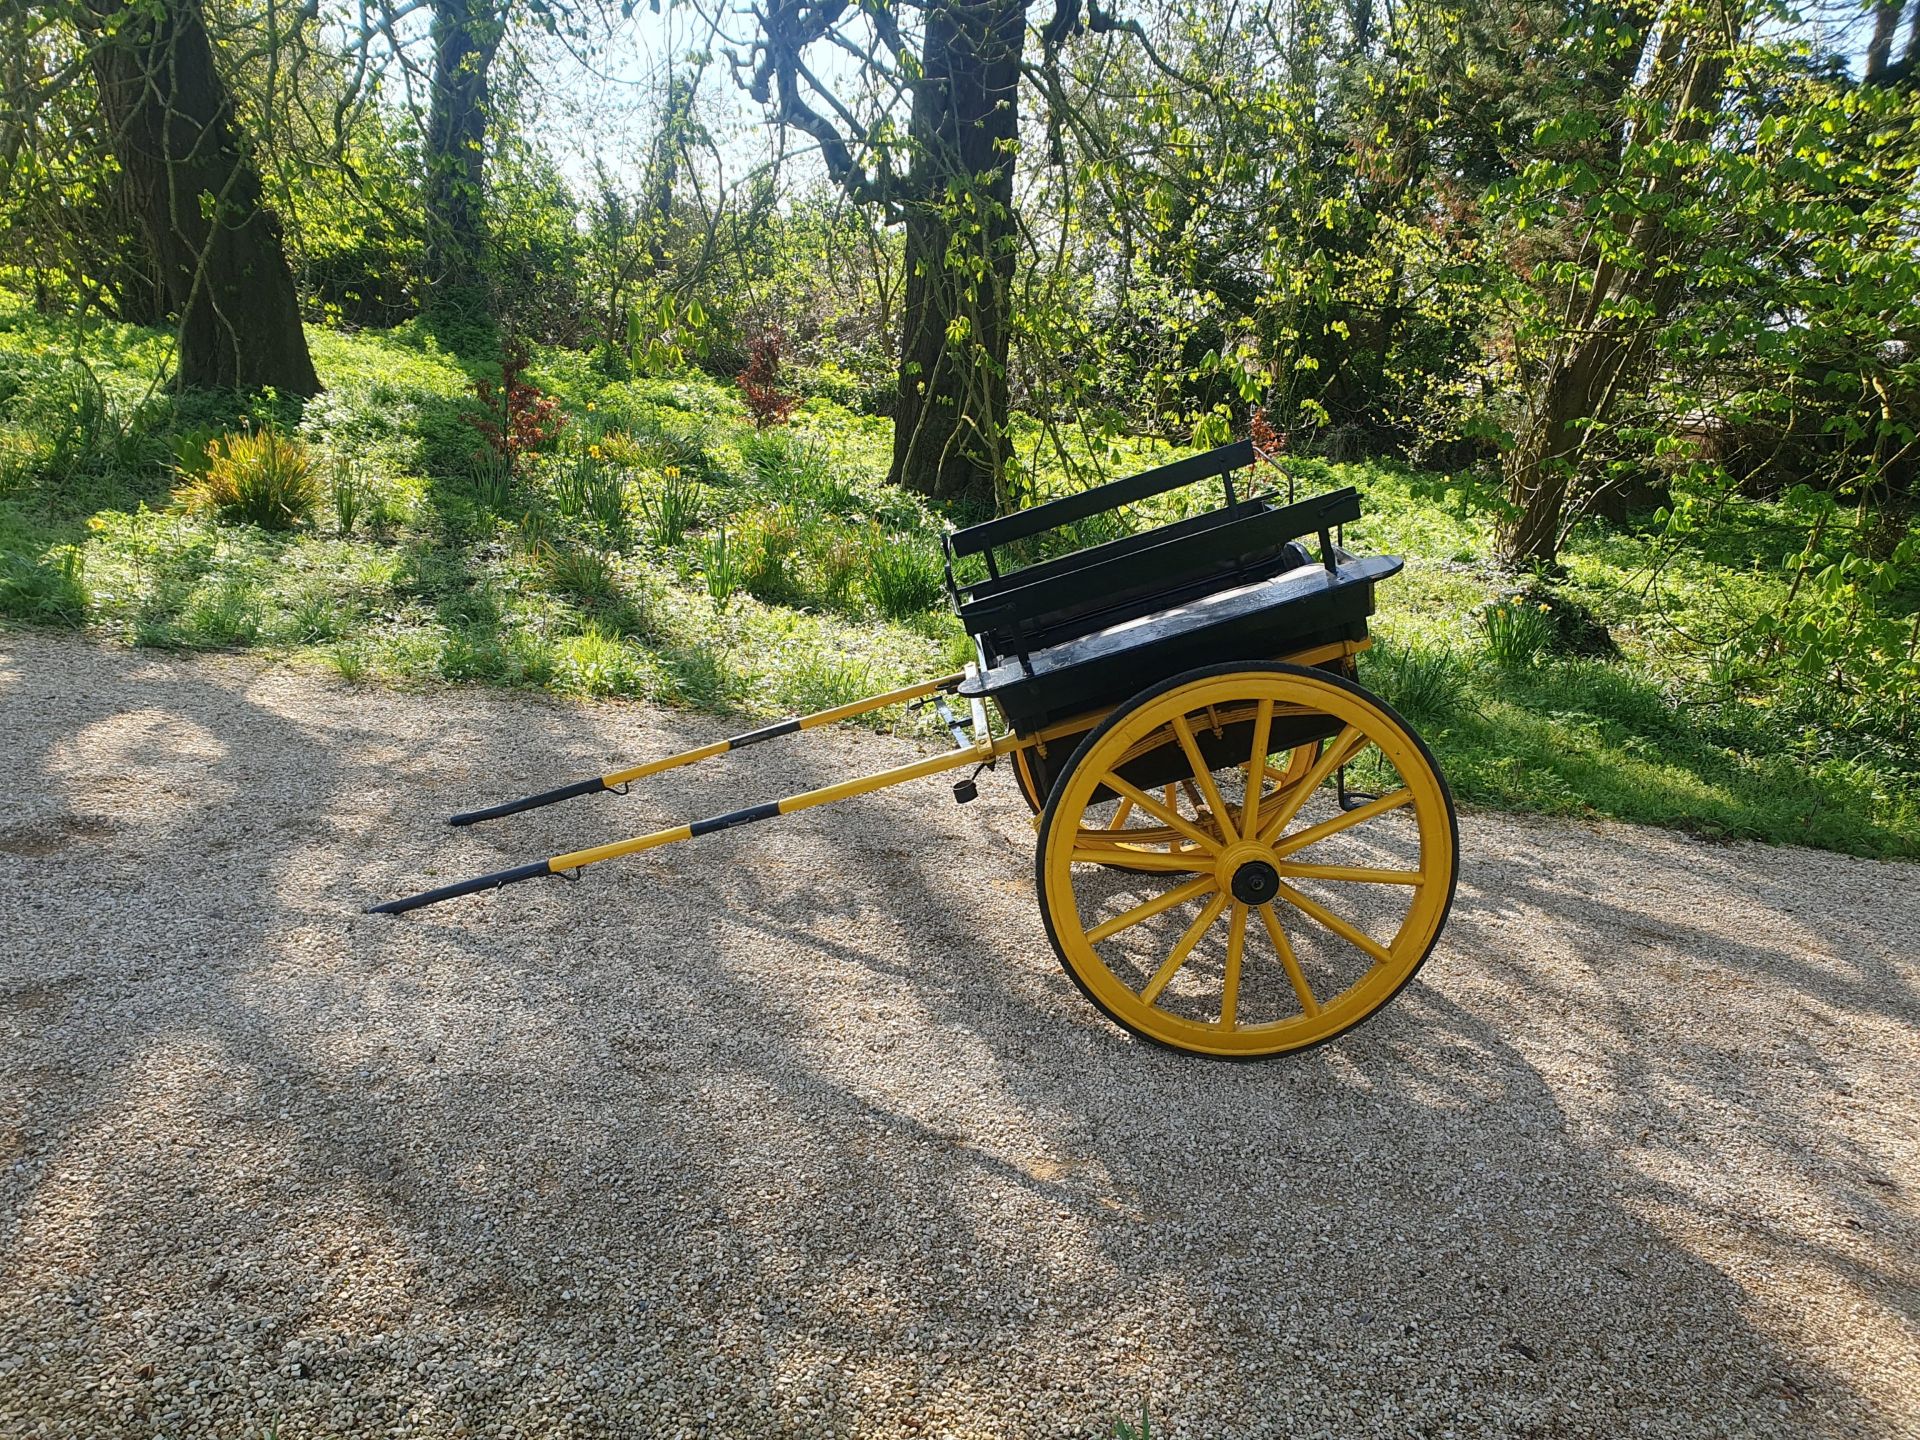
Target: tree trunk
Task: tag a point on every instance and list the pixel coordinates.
(949, 440)
(466, 34)
(197, 193)
(1603, 350)
(1886, 25)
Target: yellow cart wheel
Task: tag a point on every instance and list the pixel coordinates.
(1281, 913)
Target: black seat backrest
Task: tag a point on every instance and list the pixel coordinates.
(984, 538)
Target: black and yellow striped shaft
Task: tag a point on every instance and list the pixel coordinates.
(593, 785)
(982, 749)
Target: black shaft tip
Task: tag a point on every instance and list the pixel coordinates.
(530, 802)
(462, 887)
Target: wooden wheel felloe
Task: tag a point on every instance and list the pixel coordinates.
(1204, 883)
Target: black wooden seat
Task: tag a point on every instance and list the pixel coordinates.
(1067, 635)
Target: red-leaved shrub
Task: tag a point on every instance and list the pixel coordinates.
(760, 381)
(517, 416)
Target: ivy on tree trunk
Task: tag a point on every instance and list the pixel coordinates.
(195, 188)
(466, 35)
(949, 440)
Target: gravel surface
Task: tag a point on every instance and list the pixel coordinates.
(799, 1129)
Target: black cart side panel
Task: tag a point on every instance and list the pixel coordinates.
(1272, 618)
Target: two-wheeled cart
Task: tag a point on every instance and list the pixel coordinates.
(1241, 851)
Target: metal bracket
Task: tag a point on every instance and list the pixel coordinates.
(1350, 799)
(960, 730)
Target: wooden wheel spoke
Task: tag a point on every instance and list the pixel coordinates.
(1146, 910)
(1346, 820)
(1360, 874)
(1177, 956)
(1347, 744)
(1257, 771)
(1165, 814)
(1315, 911)
(1133, 857)
(1204, 777)
(1120, 814)
(1309, 1005)
(1230, 982)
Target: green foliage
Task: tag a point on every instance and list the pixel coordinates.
(800, 472)
(317, 615)
(349, 661)
(904, 577)
(593, 494)
(719, 560)
(1759, 688)
(350, 496)
(821, 682)
(671, 509)
(767, 557)
(490, 478)
(260, 477)
(582, 574)
(48, 591)
(1515, 630)
(1429, 687)
(1126, 1430)
(595, 662)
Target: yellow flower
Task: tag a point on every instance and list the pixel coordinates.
(1545, 608)
(590, 404)
(594, 450)
(672, 470)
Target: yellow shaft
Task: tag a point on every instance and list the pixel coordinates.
(782, 727)
(825, 795)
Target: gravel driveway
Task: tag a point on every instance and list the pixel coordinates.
(801, 1130)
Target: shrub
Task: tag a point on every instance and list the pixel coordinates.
(904, 579)
(1516, 631)
(672, 510)
(760, 381)
(590, 493)
(769, 553)
(517, 418)
(260, 477)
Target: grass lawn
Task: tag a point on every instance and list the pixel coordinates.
(664, 548)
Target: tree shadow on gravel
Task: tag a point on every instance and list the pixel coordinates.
(800, 1129)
